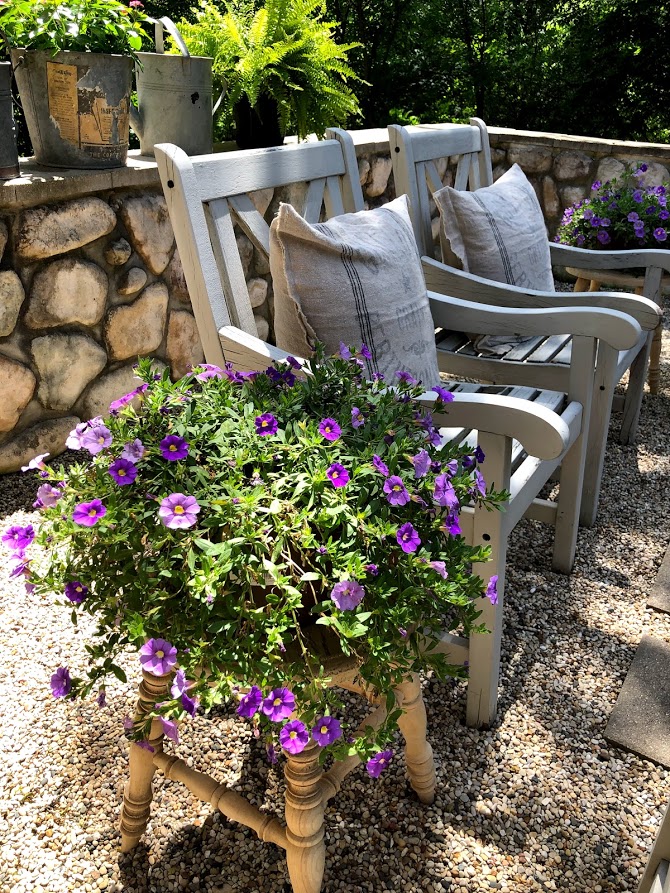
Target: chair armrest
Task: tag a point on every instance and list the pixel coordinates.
(591, 259)
(447, 280)
(246, 352)
(611, 326)
(541, 432)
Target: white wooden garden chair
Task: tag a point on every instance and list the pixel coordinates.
(525, 432)
(543, 362)
(656, 877)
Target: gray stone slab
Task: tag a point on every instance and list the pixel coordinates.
(640, 721)
(660, 593)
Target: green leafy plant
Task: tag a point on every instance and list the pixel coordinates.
(620, 213)
(222, 519)
(95, 26)
(283, 50)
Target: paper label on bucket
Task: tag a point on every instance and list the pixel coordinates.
(62, 94)
(102, 124)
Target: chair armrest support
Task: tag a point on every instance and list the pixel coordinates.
(247, 353)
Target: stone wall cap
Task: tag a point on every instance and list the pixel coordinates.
(570, 141)
(38, 185)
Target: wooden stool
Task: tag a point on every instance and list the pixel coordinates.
(308, 787)
(591, 280)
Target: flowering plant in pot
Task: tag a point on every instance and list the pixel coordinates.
(622, 213)
(218, 519)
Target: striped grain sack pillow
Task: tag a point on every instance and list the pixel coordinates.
(355, 279)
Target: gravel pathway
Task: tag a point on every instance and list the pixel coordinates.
(540, 802)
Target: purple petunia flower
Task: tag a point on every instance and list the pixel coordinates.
(338, 475)
(660, 234)
(345, 352)
(357, 419)
(47, 496)
(18, 538)
(421, 463)
(329, 429)
(479, 454)
(664, 214)
(408, 538)
(95, 439)
(381, 467)
(444, 395)
(178, 511)
(123, 471)
(209, 370)
(294, 736)
(480, 483)
(279, 704)
(580, 240)
(395, 491)
(179, 684)
(101, 700)
(468, 462)
(250, 702)
(173, 448)
(61, 683)
(36, 464)
(376, 764)
(347, 594)
(157, 656)
(444, 493)
(633, 216)
(169, 727)
(451, 524)
(638, 196)
(366, 353)
(116, 405)
(405, 377)
(326, 730)
(440, 567)
(86, 514)
(603, 237)
(371, 569)
(271, 753)
(189, 704)
(22, 569)
(133, 451)
(492, 590)
(76, 591)
(73, 441)
(266, 424)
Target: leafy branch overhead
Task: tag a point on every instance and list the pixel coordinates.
(284, 50)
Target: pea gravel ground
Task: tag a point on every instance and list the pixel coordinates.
(540, 802)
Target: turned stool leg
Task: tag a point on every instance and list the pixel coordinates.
(137, 794)
(581, 284)
(418, 752)
(305, 850)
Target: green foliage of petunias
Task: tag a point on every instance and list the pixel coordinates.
(95, 26)
(243, 519)
(283, 49)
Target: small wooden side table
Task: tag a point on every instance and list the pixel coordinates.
(591, 280)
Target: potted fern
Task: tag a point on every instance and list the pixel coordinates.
(282, 69)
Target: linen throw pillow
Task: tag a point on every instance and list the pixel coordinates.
(356, 279)
(498, 232)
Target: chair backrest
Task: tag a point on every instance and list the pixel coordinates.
(414, 151)
(208, 195)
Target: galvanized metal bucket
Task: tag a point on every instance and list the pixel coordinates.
(9, 156)
(174, 97)
(76, 106)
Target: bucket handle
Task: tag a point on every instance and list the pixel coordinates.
(165, 23)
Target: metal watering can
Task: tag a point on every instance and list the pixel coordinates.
(174, 96)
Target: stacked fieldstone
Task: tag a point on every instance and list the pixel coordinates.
(90, 278)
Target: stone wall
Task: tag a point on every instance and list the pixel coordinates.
(90, 277)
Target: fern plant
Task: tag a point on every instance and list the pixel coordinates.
(282, 50)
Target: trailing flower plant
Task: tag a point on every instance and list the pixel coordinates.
(218, 521)
(620, 213)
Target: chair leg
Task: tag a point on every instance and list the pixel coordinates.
(137, 795)
(305, 850)
(418, 752)
(601, 412)
(635, 390)
(655, 360)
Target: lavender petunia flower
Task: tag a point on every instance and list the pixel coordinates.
(633, 216)
(345, 352)
(18, 538)
(421, 463)
(357, 419)
(61, 683)
(250, 702)
(326, 730)
(603, 237)
(638, 196)
(123, 471)
(73, 441)
(480, 483)
(178, 511)
(133, 451)
(279, 704)
(381, 467)
(347, 594)
(338, 475)
(95, 439)
(86, 514)
(179, 684)
(47, 496)
(395, 491)
(660, 234)
(444, 395)
(266, 424)
(173, 448)
(405, 377)
(444, 493)
(116, 405)
(209, 371)
(76, 591)
(294, 737)
(408, 538)
(492, 590)
(376, 764)
(440, 567)
(451, 524)
(157, 656)
(329, 429)
(36, 464)
(169, 727)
